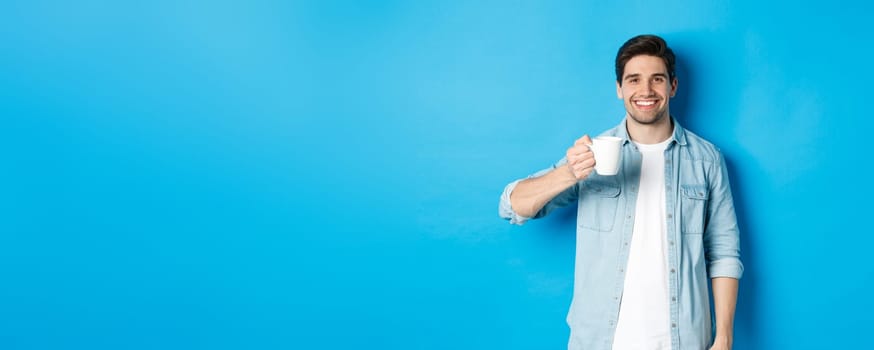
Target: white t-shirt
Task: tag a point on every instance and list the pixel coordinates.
(644, 312)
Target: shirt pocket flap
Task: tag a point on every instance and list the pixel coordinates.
(603, 189)
(699, 192)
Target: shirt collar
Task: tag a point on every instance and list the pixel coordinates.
(679, 135)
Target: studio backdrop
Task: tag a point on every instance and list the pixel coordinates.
(326, 174)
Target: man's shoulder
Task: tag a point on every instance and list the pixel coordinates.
(700, 148)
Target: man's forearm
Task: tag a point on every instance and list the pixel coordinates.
(530, 195)
(725, 302)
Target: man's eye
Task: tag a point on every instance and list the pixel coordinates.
(659, 80)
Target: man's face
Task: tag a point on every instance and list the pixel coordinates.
(646, 89)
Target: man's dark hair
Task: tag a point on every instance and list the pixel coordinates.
(649, 45)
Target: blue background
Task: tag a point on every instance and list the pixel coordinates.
(326, 174)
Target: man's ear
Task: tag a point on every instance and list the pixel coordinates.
(619, 90)
(674, 87)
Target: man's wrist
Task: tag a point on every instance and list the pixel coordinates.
(722, 338)
(567, 177)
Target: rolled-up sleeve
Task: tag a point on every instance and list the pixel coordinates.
(721, 237)
(505, 209)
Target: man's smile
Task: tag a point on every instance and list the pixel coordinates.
(645, 104)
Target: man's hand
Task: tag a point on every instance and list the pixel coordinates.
(580, 159)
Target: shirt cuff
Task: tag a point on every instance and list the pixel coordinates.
(505, 209)
(726, 268)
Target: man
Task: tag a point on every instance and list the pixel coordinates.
(650, 237)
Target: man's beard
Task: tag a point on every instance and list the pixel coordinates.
(647, 121)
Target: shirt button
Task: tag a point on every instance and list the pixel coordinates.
(674, 299)
(670, 216)
(671, 242)
(672, 270)
(673, 325)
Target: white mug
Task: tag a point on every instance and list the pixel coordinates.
(608, 151)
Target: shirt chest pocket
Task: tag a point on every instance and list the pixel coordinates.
(693, 207)
(598, 203)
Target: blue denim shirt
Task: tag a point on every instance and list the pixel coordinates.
(702, 238)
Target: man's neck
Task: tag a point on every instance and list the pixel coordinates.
(649, 133)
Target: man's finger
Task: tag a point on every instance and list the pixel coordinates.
(579, 149)
(585, 140)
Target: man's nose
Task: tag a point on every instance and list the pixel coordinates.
(647, 86)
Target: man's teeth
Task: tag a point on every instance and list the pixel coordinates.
(646, 103)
